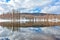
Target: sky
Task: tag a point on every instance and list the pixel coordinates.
(30, 6)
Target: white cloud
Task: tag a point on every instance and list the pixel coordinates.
(52, 9)
(27, 4)
(1, 9)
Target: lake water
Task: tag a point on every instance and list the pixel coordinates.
(30, 33)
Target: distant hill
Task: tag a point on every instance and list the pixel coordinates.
(17, 15)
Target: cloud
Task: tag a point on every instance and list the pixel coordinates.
(27, 5)
(52, 9)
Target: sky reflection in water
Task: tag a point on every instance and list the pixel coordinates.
(30, 33)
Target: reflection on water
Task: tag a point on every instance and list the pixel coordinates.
(51, 33)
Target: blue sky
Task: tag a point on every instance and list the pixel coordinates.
(7, 0)
(40, 6)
